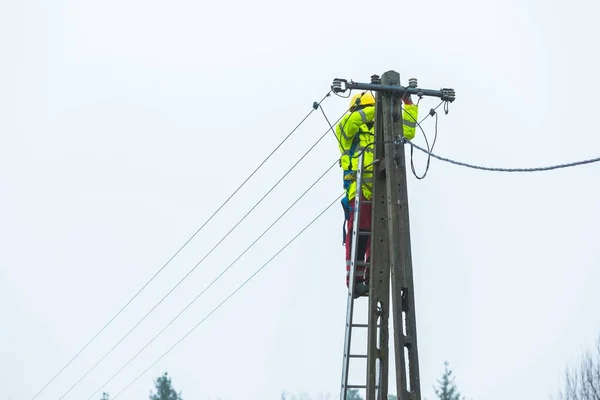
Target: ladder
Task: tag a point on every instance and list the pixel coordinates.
(350, 324)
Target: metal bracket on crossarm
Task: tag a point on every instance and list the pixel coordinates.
(340, 85)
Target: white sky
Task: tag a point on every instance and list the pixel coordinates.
(125, 124)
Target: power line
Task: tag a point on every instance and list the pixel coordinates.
(331, 127)
(194, 268)
(429, 152)
(498, 169)
(228, 297)
(214, 280)
(181, 248)
(315, 106)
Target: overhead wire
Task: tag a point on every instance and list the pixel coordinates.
(229, 296)
(429, 148)
(215, 279)
(206, 255)
(501, 169)
(430, 154)
(428, 151)
(418, 123)
(178, 251)
(315, 105)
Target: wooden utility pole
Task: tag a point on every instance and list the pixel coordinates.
(391, 259)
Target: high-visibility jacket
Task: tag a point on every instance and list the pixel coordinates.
(355, 133)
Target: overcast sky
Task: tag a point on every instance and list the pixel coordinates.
(125, 124)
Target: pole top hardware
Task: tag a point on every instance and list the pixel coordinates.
(448, 95)
(341, 85)
(336, 86)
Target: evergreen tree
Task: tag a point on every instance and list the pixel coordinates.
(447, 389)
(164, 389)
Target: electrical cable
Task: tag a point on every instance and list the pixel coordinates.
(429, 152)
(315, 106)
(230, 295)
(343, 126)
(178, 251)
(331, 127)
(189, 272)
(214, 280)
(499, 169)
(429, 148)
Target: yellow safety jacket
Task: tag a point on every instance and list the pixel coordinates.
(355, 133)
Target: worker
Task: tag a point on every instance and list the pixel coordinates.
(355, 134)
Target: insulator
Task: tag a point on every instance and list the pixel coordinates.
(448, 95)
(412, 82)
(336, 86)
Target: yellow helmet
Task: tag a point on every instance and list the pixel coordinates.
(362, 99)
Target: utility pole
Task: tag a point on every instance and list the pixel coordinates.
(405, 329)
(391, 259)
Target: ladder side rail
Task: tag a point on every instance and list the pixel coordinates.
(350, 306)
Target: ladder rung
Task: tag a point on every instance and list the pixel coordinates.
(362, 264)
(364, 233)
(358, 356)
(359, 386)
(363, 325)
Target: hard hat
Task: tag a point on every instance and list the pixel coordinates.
(363, 99)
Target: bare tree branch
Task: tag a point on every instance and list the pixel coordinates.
(583, 382)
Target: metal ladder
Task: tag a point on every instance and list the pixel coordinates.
(350, 325)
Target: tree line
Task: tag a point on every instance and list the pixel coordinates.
(165, 390)
(582, 382)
